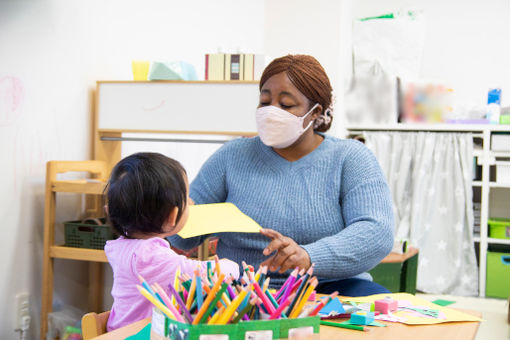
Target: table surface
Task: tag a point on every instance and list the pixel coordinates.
(394, 331)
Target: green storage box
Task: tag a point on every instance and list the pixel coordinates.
(498, 275)
(499, 228)
(504, 119)
(88, 233)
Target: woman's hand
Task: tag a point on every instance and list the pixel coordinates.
(288, 255)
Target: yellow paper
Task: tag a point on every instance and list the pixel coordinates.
(140, 69)
(450, 314)
(217, 218)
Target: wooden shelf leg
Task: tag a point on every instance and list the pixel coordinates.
(96, 285)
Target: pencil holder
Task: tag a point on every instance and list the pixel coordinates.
(166, 328)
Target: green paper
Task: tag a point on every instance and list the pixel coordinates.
(373, 323)
(144, 334)
(443, 303)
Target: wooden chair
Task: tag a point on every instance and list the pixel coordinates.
(93, 324)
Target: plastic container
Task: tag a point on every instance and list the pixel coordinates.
(500, 142)
(498, 275)
(494, 106)
(499, 228)
(503, 172)
(88, 234)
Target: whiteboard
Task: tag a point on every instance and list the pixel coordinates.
(177, 106)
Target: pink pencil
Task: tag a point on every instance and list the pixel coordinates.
(263, 297)
(282, 306)
(168, 303)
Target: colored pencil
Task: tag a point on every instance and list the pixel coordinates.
(304, 298)
(290, 283)
(146, 285)
(191, 294)
(211, 295)
(245, 311)
(217, 265)
(225, 317)
(343, 325)
(301, 288)
(280, 308)
(182, 306)
(216, 298)
(216, 316)
(265, 301)
(273, 301)
(169, 302)
(155, 302)
(200, 296)
(323, 303)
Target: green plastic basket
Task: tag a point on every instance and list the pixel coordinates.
(499, 228)
(498, 275)
(87, 234)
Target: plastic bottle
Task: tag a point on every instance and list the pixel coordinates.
(494, 105)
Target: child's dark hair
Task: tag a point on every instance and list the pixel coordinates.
(142, 191)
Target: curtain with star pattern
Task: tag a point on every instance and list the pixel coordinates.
(430, 177)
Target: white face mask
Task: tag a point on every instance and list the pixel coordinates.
(278, 128)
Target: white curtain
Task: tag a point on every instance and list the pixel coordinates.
(430, 177)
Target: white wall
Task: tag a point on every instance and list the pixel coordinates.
(466, 44)
(320, 28)
(52, 52)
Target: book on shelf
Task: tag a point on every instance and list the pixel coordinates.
(225, 66)
(214, 66)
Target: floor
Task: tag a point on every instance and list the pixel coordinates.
(494, 313)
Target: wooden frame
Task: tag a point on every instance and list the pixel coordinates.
(51, 251)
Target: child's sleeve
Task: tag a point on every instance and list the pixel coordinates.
(156, 262)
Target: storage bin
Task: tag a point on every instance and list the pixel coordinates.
(500, 142)
(499, 228)
(88, 233)
(498, 275)
(502, 172)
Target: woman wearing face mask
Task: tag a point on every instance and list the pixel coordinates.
(320, 199)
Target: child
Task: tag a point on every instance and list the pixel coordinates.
(147, 201)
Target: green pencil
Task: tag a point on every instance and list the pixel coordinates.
(343, 325)
(244, 311)
(213, 303)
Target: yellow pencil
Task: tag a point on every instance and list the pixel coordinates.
(304, 298)
(217, 267)
(176, 283)
(225, 317)
(156, 303)
(210, 296)
(191, 294)
(216, 316)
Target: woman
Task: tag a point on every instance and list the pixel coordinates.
(321, 200)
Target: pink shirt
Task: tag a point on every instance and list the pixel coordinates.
(156, 262)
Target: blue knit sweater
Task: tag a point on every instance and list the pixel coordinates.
(334, 202)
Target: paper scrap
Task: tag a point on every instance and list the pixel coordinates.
(409, 300)
(332, 308)
(443, 303)
(214, 218)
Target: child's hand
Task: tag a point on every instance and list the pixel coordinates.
(229, 267)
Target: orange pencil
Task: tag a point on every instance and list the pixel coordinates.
(295, 312)
(210, 297)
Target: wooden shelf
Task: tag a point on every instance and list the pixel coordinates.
(82, 254)
(79, 186)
